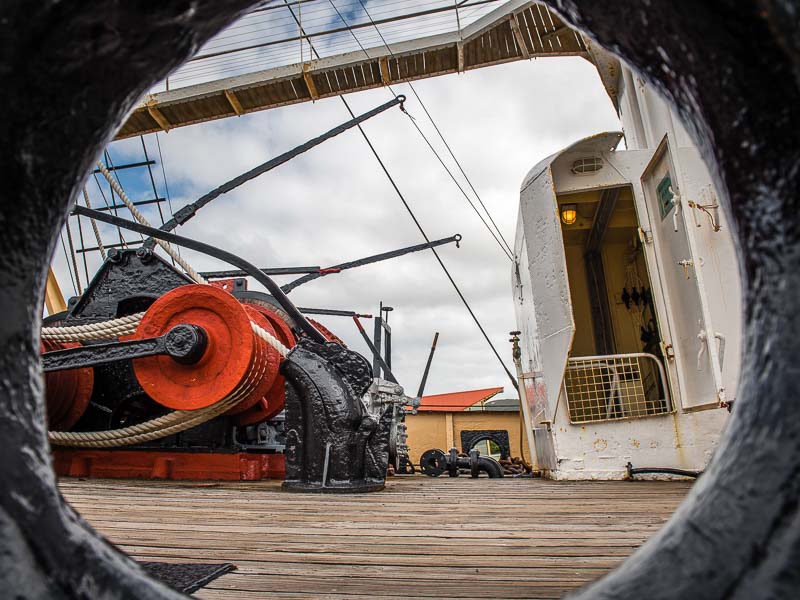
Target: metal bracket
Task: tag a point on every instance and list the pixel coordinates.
(710, 208)
(185, 344)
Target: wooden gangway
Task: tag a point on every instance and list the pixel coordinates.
(516, 30)
(420, 538)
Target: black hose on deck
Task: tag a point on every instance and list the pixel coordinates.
(665, 470)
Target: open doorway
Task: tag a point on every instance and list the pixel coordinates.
(616, 366)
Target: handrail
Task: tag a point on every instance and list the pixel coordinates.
(611, 364)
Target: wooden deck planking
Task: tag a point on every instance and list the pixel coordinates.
(421, 538)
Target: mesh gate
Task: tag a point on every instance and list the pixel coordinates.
(616, 386)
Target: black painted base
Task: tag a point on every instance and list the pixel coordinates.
(350, 487)
(333, 445)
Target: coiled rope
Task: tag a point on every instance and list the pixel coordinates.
(127, 325)
(141, 218)
(94, 331)
(175, 421)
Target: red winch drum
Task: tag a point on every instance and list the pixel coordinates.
(235, 361)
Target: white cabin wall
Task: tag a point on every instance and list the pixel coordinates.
(645, 116)
(545, 264)
(720, 266)
(533, 366)
(523, 302)
(602, 450)
(630, 114)
(643, 110)
(684, 439)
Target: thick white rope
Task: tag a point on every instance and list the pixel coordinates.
(143, 221)
(94, 331)
(270, 339)
(94, 227)
(168, 424)
(173, 422)
(264, 335)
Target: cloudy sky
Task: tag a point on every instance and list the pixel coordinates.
(333, 203)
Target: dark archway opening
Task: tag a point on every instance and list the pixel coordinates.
(470, 438)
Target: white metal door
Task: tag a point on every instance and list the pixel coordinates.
(547, 270)
(692, 340)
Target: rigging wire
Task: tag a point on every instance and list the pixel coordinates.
(275, 24)
(461, 189)
(435, 253)
(69, 268)
(166, 183)
(153, 184)
(306, 36)
(74, 257)
(272, 35)
(510, 252)
(83, 245)
(98, 238)
(164, 174)
(152, 180)
(422, 231)
(500, 240)
(108, 207)
(282, 52)
(109, 163)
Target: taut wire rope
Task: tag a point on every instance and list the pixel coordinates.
(424, 235)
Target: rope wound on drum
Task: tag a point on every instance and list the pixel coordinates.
(258, 330)
(237, 370)
(238, 387)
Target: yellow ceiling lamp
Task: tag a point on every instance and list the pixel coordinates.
(569, 213)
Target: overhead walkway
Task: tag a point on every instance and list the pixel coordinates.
(511, 31)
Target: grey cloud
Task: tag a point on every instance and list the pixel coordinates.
(334, 204)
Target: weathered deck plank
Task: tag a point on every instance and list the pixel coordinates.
(421, 538)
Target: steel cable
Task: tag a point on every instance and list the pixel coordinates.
(424, 235)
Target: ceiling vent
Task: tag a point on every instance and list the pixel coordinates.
(587, 166)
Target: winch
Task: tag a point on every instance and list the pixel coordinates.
(155, 371)
(149, 374)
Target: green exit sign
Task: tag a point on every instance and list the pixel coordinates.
(666, 199)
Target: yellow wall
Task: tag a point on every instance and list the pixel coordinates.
(616, 251)
(583, 343)
(442, 430)
(626, 328)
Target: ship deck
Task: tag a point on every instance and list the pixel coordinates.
(420, 538)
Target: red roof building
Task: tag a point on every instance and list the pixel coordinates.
(457, 401)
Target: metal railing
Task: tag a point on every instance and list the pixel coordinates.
(616, 386)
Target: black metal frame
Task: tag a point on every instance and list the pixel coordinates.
(189, 211)
(223, 255)
(183, 343)
(368, 260)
